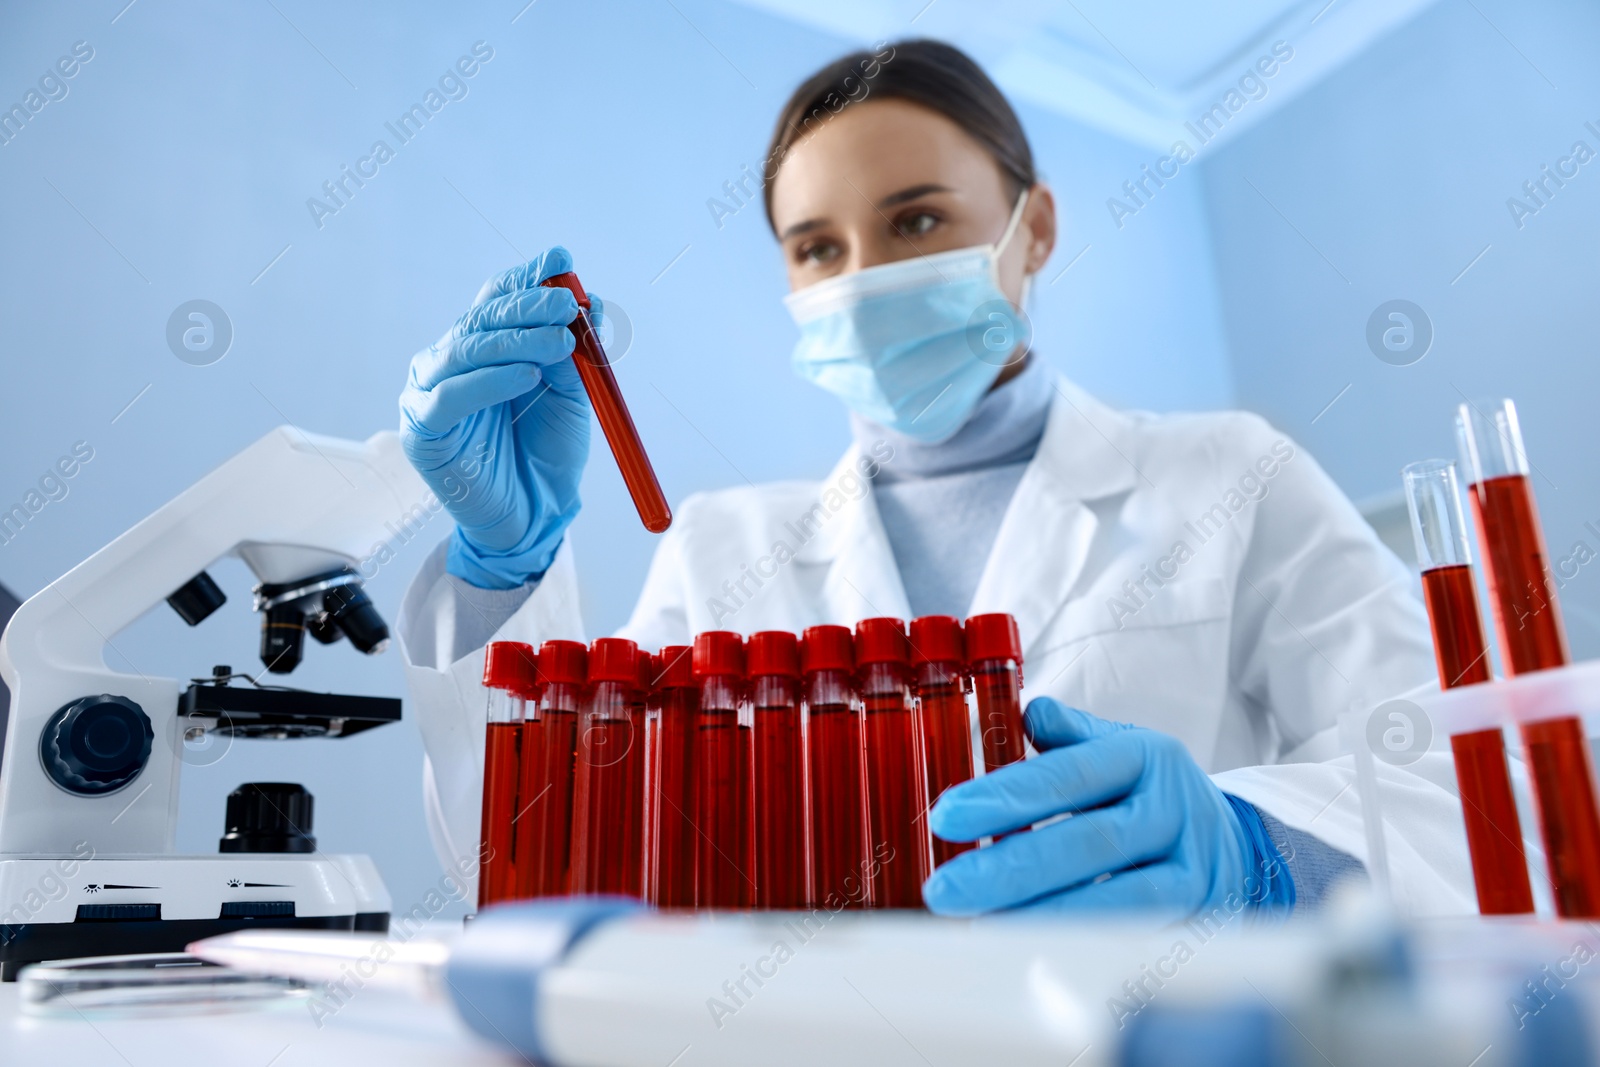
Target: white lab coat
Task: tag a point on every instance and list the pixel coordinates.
(1280, 609)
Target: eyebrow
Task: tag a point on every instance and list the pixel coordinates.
(909, 193)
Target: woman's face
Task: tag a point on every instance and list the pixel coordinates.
(886, 180)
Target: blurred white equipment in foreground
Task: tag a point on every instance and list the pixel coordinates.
(580, 983)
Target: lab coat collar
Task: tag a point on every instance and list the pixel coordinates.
(1087, 453)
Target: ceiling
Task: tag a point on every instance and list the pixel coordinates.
(1138, 70)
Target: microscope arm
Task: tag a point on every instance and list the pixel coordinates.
(290, 504)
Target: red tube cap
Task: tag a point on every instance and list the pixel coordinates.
(881, 641)
(563, 662)
(828, 648)
(936, 639)
(718, 653)
(774, 652)
(647, 670)
(614, 659)
(510, 665)
(993, 637)
(674, 667)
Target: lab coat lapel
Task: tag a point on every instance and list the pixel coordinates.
(863, 580)
(1047, 530)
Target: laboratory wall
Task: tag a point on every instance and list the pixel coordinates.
(1404, 176)
(189, 156)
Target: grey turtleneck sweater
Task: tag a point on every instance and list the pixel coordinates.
(941, 504)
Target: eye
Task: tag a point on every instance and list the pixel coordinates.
(916, 223)
(817, 253)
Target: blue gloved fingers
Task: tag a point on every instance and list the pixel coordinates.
(523, 308)
(1068, 779)
(1051, 724)
(527, 275)
(432, 413)
(1158, 887)
(1071, 852)
(449, 356)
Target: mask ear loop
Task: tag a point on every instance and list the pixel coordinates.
(998, 248)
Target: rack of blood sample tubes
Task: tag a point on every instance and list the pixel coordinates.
(1527, 616)
(1461, 650)
(776, 771)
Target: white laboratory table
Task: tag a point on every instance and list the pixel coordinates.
(375, 1027)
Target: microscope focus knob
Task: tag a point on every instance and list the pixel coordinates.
(96, 745)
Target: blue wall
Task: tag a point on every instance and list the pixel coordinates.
(1398, 169)
(178, 167)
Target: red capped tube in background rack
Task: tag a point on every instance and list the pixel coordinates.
(608, 790)
(897, 790)
(563, 673)
(780, 795)
(723, 758)
(674, 835)
(508, 675)
(938, 661)
(835, 761)
(609, 408)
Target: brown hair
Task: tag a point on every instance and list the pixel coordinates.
(932, 74)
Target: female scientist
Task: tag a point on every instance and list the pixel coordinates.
(1197, 578)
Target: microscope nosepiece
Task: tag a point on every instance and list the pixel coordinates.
(351, 610)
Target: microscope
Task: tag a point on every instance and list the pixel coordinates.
(89, 778)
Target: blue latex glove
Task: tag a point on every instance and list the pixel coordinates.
(1143, 813)
(495, 419)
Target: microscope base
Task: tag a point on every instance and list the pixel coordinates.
(67, 907)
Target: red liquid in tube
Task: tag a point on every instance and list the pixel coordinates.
(1494, 831)
(723, 877)
(674, 836)
(615, 420)
(1528, 623)
(497, 871)
(937, 655)
(835, 759)
(994, 649)
(650, 715)
(897, 790)
(608, 794)
(506, 674)
(563, 675)
(779, 771)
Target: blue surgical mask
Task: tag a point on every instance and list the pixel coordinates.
(913, 345)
